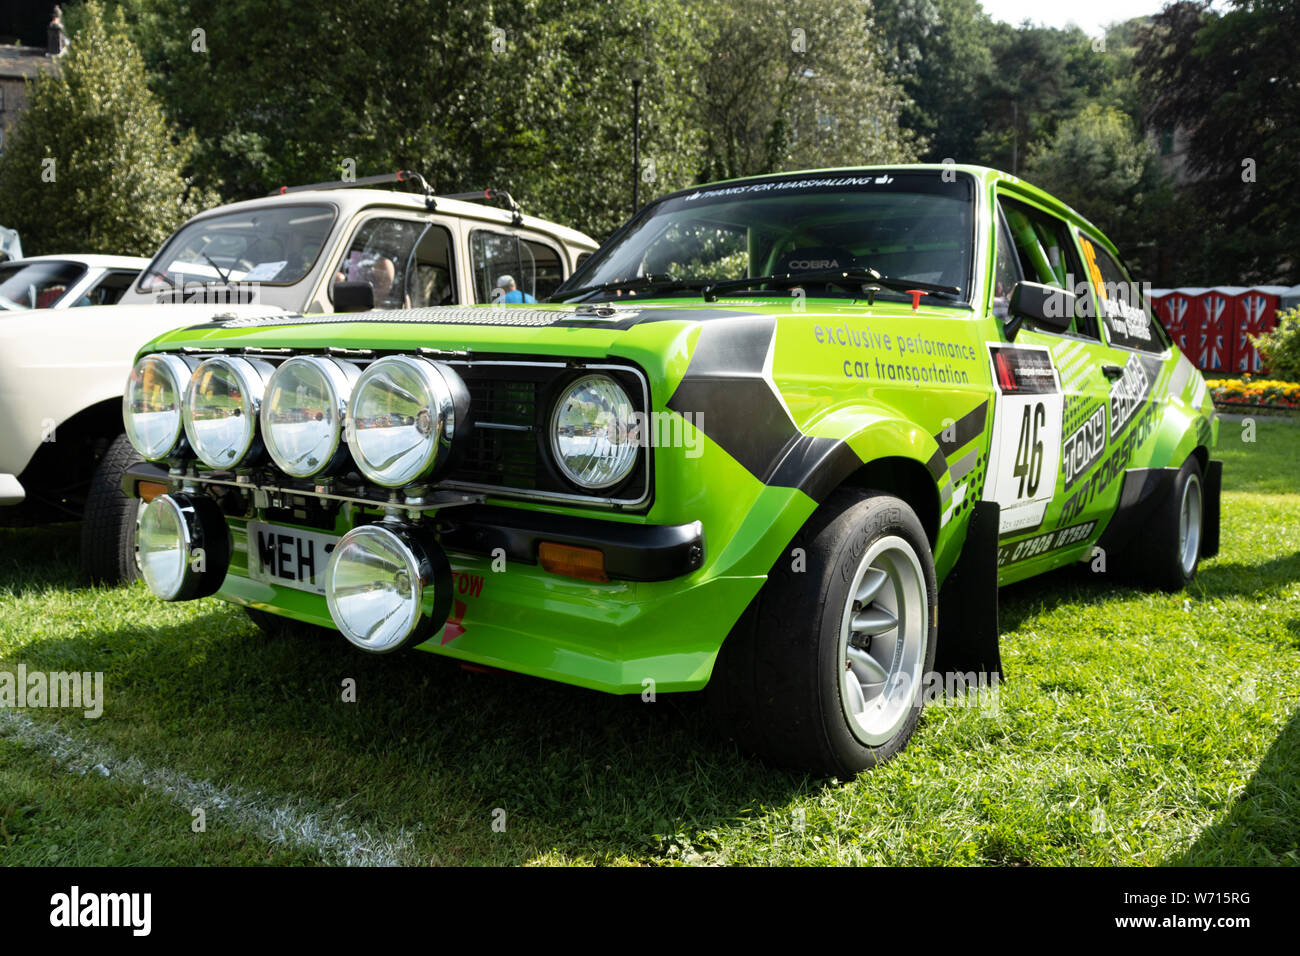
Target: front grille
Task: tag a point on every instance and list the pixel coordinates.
(511, 403)
(503, 448)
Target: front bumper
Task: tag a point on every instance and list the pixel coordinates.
(659, 619)
(633, 552)
(11, 491)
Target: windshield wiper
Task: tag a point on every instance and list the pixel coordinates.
(225, 276)
(865, 281)
(665, 280)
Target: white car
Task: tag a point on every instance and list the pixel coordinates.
(64, 282)
(322, 248)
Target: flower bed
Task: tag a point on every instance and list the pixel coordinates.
(1265, 393)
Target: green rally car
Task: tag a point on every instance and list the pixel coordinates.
(783, 437)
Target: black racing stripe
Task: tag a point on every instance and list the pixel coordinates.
(816, 466)
(964, 430)
(937, 465)
(735, 406)
(742, 415)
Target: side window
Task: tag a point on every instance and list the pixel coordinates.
(1046, 252)
(382, 252)
(109, 289)
(1125, 314)
(512, 269)
(1006, 270)
(432, 279)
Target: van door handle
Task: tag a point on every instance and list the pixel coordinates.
(1112, 372)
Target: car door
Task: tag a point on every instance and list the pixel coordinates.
(1131, 358)
(1051, 396)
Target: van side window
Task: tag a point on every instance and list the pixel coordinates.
(511, 269)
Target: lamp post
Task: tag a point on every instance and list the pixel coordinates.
(636, 70)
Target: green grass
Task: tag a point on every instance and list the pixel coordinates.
(1132, 729)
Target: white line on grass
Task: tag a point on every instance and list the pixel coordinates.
(327, 833)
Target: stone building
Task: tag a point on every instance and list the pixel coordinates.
(19, 64)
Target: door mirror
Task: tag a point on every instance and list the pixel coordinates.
(1043, 305)
(356, 296)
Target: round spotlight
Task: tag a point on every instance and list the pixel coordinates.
(182, 546)
(387, 586)
(594, 436)
(403, 416)
(152, 401)
(221, 409)
(303, 414)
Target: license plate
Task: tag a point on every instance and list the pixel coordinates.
(289, 557)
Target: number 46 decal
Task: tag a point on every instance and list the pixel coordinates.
(1029, 450)
(1025, 452)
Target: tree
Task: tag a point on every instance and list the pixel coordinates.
(796, 84)
(530, 97)
(1099, 164)
(1232, 82)
(92, 165)
(939, 51)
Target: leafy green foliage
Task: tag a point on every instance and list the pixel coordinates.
(92, 165)
(1280, 348)
(939, 50)
(531, 97)
(1231, 81)
(1098, 163)
(795, 85)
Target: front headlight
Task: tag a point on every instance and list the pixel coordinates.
(303, 414)
(182, 546)
(593, 433)
(387, 586)
(151, 404)
(402, 417)
(221, 409)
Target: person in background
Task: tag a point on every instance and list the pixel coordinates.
(510, 293)
(382, 275)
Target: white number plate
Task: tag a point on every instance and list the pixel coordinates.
(289, 557)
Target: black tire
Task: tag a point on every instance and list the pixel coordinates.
(282, 628)
(1157, 558)
(779, 682)
(108, 526)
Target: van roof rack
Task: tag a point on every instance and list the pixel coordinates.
(488, 195)
(406, 176)
(401, 176)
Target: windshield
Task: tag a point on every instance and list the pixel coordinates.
(274, 245)
(36, 285)
(905, 225)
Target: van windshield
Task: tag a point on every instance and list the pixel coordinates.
(273, 245)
